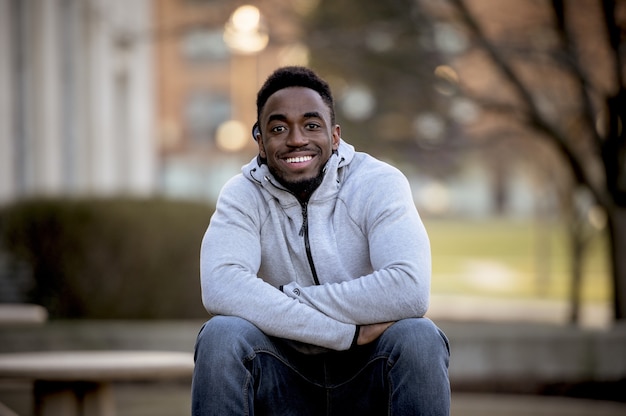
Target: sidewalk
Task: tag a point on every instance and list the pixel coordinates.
(175, 401)
(469, 404)
(172, 399)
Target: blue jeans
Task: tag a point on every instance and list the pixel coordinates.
(241, 371)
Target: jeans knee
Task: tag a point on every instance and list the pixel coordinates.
(418, 337)
(223, 334)
(426, 332)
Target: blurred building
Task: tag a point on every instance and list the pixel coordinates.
(76, 98)
(109, 97)
(211, 58)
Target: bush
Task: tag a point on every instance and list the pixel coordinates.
(110, 258)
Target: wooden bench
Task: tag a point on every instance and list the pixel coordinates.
(73, 383)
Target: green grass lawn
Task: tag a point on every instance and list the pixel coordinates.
(512, 258)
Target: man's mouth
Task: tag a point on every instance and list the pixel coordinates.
(298, 159)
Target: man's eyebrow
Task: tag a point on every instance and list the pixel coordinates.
(279, 117)
(312, 114)
(282, 117)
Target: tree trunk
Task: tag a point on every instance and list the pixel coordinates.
(577, 245)
(617, 252)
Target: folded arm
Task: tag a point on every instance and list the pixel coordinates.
(399, 252)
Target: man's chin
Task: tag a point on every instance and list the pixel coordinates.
(303, 186)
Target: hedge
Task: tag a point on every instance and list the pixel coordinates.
(109, 258)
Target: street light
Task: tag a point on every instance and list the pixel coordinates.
(245, 32)
(246, 35)
(232, 136)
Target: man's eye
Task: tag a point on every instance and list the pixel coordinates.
(313, 126)
(278, 129)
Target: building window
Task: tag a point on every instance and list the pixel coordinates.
(203, 114)
(204, 45)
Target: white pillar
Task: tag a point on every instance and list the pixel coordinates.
(7, 167)
(103, 150)
(80, 146)
(141, 142)
(25, 103)
(48, 145)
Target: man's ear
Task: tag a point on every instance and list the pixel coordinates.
(255, 130)
(336, 136)
(259, 141)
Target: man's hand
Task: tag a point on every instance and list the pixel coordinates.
(370, 333)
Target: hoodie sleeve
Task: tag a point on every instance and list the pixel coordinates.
(229, 262)
(399, 252)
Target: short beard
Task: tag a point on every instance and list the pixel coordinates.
(304, 188)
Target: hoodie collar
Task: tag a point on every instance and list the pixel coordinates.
(258, 172)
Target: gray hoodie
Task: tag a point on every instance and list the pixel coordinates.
(357, 253)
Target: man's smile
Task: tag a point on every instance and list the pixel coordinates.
(298, 159)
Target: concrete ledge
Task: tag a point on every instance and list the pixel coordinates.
(535, 353)
(79, 383)
(22, 313)
(482, 352)
(96, 366)
(58, 335)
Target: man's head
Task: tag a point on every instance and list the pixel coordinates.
(296, 132)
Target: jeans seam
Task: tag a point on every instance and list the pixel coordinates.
(389, 391)
(245, 391)
(361, 370)
(287, 364)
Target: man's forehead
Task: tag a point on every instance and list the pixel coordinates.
(295, 102)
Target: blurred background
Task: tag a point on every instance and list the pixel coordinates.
(121, 120)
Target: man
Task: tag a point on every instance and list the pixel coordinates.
(316, 267)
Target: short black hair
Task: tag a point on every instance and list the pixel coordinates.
(294, 76)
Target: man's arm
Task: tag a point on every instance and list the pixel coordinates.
(399, 252)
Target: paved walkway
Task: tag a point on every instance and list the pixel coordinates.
(470, 404)
(172, 399)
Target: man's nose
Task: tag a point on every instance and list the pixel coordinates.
(297, 138)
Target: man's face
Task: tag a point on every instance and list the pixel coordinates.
(297, 137)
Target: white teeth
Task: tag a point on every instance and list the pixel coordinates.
(298, 159)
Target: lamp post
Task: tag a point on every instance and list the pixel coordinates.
(245, 32)
(246, 36)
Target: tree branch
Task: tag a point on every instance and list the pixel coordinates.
(573, 63)
(613, 34)
(535, 118)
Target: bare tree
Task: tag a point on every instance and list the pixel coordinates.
(564, 78)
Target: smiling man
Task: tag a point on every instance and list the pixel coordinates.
(316, 267)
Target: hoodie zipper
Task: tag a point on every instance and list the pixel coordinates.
(304, 232)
